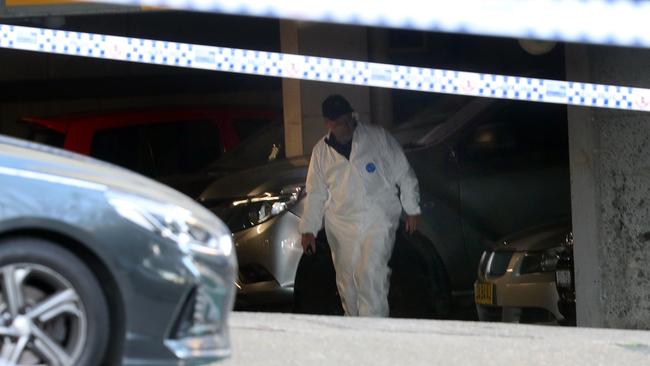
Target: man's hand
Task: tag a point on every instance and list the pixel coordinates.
(411, 223)
(309, 243)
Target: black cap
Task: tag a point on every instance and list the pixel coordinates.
(335, 106)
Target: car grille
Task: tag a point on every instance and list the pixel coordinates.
(494, 263)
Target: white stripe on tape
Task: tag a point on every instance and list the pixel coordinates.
(610, 22)
(322, 69)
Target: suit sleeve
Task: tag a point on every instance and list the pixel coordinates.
(403, 176)
(312, 219)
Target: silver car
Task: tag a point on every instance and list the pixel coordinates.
(101, 266)
(263, 215)
(528, 277)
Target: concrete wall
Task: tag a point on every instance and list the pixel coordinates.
(610, 184)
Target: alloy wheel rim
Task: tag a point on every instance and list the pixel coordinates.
(42, 318)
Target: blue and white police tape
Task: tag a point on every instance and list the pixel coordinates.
(322, 69)
(609, 22)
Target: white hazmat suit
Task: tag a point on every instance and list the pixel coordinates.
(359, 203)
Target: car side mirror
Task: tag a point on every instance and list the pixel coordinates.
(275, 151)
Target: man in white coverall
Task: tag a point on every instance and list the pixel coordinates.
(352, 185)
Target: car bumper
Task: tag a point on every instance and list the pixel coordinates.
(268, 256)
(522, 298)
(166, 292)
(211, 302)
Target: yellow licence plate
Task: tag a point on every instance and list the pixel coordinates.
(484, 293)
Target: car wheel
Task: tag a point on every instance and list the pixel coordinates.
(419, 285)
(52, 308)
(315, 289)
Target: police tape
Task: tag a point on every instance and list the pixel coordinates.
(608, 22)
(322, 69)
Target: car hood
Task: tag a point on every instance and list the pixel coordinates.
(270, 177)
(537, 238)
(58, 165)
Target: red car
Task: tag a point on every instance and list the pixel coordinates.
(172, 145)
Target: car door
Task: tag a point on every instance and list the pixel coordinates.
(434, 161)
(512, 171)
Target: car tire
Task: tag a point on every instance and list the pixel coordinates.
(79, 322)
(419, 284)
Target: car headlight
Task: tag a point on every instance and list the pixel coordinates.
(172, 222)
(494, 263)
(251, 211)
(544, 261)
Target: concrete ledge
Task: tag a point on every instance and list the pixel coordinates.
(288, 339)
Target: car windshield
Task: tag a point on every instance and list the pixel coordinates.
(257, 149)
(433, 124)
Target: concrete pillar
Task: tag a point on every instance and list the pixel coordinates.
(610, 193)
(291, 95)
(381, 101)
(302, 99)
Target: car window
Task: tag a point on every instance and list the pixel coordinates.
(183, 147)
(124, 146)
(515, 131)
(246, 127)
(45, 136)
(160, 149)
(434, 123)
(265, 145)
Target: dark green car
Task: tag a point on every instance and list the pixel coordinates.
(99, 265)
